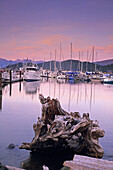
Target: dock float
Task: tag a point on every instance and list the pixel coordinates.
(12, 81)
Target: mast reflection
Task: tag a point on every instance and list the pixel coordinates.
(0, 101)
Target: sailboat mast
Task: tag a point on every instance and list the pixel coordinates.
(82, 63)
(60, 56)
(71, 58)
(43, 64)
(55, 61)
(87, 61)
(79, 60)
(95, 62)
(50, 60)
(92, 58)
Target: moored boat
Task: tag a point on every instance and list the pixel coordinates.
(61, 76)
(31, 73)
(11, 76)
(108, 80)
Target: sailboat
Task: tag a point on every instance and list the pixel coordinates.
(53, 74)
(61, 75)
(44, 72)
(96, 76)
(108, 80)
(70, 74)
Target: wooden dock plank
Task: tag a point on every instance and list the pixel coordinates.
(88, 163)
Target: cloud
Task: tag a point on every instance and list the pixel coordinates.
(16, 29)
(111, 37)
(107, 49)
(41, 48)
(54, 39)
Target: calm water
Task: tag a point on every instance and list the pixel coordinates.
(20, 107)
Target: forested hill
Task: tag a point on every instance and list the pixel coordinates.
(70, 65)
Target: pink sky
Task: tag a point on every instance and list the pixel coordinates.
(33, 30)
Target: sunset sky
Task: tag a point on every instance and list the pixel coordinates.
(34, 28)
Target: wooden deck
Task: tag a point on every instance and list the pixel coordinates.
(88, 163)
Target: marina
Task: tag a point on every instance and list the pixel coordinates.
(56, 85)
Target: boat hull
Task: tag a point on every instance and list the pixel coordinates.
(29, 80)
(108, 81)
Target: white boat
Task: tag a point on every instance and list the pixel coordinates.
(31, 73)
(44, 73)
(97, 78)
(53, 74)
(61, 81)
(61, 76)
(108, 80)
(5, 75)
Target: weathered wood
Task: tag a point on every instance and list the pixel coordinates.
(88, 163)
(59, 130)
(13, 168)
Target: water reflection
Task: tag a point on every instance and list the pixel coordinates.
(52, 161)
(10, 91)
(0, 101)
(31, 87)
(20, 86)
(69, 92)
(61, 81)
(19, 112)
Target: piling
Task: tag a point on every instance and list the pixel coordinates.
(10, 76)
(20, 75)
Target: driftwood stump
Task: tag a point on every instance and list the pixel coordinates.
(59, 131)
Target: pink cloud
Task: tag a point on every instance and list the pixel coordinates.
(15, 29)
(54, 39)
(41, 46)
(107, 49)
(111, 37)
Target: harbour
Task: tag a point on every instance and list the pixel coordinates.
(56, 85)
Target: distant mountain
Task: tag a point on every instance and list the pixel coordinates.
(76, 65)
(105, 62)
(4, 62)
(66, 65)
